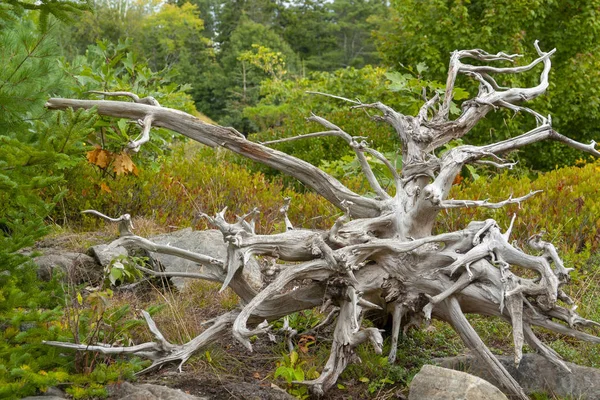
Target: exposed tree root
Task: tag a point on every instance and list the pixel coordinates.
(380, 254)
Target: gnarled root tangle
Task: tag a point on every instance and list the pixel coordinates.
(381, 255)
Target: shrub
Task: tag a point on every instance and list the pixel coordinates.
(193, 179)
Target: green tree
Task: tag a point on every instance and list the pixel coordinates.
(417, 31)
(241, 78)
(62, 10)
(109, 20)
(167, 35)
(36, 150)
(173, 38)
(355, 21)
(209, 11)
(232, 13)
(331, 35)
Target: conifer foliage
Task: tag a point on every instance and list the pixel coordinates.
(35, 150)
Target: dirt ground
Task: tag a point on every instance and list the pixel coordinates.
(235, 374)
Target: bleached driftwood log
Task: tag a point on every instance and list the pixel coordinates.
(381, 253)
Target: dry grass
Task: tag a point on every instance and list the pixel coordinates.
(182, 313)
(146, 227)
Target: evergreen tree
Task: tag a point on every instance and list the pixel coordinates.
(35, 150)
(62, 10)
(34, 146)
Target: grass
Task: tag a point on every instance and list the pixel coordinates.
(181, 313)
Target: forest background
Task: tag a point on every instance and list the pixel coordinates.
(248, 64)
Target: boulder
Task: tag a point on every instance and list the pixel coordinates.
(43, 398)
(52, 393)
(437, 383)
(105, 253)
(208, 242)
(536, 374)
(77, 267)
(252, 391)
(146, 391)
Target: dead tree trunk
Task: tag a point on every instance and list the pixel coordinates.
(381, 254)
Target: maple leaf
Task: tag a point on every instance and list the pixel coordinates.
(123, 164)
(99, 157)
(103, 159)
(92, 155)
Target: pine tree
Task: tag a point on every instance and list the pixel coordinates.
(35, 148)
(61, 10)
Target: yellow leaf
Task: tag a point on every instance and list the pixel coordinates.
(123, 164)
(99, 157)
(103, 159)
(92, 156)
(104, 187)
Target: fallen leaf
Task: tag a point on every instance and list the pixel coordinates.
(103, 159)
(123, 164)
(304, 342)
(99, 157)
(92, 156)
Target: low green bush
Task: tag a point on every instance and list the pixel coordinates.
(39, 311)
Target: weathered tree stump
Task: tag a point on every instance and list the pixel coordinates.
(381, 253)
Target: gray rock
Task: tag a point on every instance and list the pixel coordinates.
(54, 391)
(121, 389)
(165, 393)
(437, 383)
(77, 267)
(139, 395)
(251, 391)
(210, 243)
(536, 375)
(104, 253)
(146, 391)
(25, 326)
